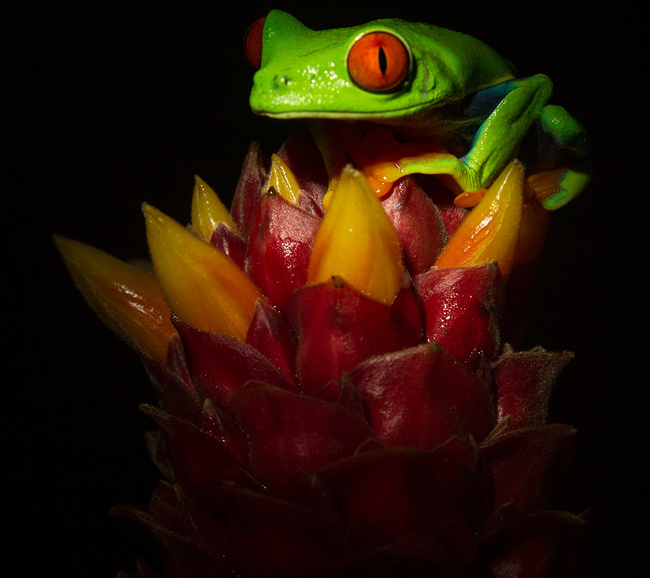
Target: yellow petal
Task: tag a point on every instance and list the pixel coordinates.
(208, 210)
(203, 287)
(490, 232)
(357, 241)
(127, 299)
(283, 181)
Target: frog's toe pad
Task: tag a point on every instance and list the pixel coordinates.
(556, 187)
(469, 199)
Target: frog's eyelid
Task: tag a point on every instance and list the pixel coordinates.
(253, 42)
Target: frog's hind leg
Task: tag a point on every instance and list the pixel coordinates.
(561, 151)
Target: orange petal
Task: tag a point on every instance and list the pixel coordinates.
(357, 241)
(469, 199)
(203, 287)
(127, 299)
(490, 232)
(208, 210)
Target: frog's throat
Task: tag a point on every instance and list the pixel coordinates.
(415, 123)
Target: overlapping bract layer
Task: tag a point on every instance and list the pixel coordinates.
(319, 420)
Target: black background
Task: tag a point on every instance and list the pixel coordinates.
(114, 104)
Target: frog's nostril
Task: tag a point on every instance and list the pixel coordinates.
(281, 81)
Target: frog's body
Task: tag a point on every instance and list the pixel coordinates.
(454, 90)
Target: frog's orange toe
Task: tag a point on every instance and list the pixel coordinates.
(469, 199)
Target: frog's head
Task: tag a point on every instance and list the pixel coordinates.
(381, 70)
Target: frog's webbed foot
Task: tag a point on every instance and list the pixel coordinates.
(554, 188)
(560, 170)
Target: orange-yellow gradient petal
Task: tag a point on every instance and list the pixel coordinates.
(490, 231)
(126, 298)
(357, 241)
(283, 181)
(202, 286)
(208, 210)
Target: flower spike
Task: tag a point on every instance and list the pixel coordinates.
(357, 241)
(337, 386)
(126, 298)
(490, 232)
(203, 287)
(208, 210)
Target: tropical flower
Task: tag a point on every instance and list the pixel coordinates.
(341, 391)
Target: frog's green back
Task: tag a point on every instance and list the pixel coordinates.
(304, 72)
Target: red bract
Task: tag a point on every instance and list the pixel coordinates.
(337, 327)
(346, 435)
(279, 247)
(451, 298)
(420, 397)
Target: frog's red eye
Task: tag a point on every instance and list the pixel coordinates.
(253, 42)
(378, 62)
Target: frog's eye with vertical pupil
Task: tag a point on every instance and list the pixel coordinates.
(253, 42)
(378, 62)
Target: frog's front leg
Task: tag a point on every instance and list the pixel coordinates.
(498, 138)
(463, 177)
(499, 118)
(491, 123)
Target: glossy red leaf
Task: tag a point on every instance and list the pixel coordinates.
(523, 382)
(342, 392)
(196, 456)
(288, 431)
(526, 464)
(280, 244)
(217, 423)
(408, 307)
(337, 328)
(419, 225)
(462, 308)
(229, 243)
(421, 397)
(270, 335)
(220, 365)
(253, 176)
(172, 383)
(397, 492)
(451, 214)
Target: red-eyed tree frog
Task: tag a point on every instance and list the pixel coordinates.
(428, 84)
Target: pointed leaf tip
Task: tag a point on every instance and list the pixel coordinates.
(490, 231)
(126, 298)
(208, 210)
(357, 241)
(283, 181)
(202, 286)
